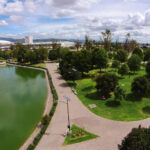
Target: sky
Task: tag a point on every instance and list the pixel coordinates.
(73, 19)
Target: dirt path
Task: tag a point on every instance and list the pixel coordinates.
(111, 132)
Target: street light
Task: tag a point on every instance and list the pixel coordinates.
(68, 99)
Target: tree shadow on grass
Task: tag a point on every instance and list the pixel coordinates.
(93, 95)
(146, 110)
(131, 97)
(87, 88)
(112, 103)
(71, 84)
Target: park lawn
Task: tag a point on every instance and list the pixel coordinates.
(128, 110)
(78, 135)
(39, 65)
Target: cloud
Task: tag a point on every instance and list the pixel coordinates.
(14, 7)
(15, 18)
(3, 23)
(130, 0)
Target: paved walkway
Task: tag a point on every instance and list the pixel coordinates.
(111, 132)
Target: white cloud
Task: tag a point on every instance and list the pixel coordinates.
(3, 23)
(15, 18)
(130, 0)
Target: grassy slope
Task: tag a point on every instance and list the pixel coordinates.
(129, 110)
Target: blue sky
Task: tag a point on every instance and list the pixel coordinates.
(75, 18)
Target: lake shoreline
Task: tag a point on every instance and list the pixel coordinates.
(48, 106)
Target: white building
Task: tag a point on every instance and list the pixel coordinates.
(5, 45)
(28, 39)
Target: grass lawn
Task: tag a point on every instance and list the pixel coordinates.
(130, 109)
(39, 65)
(78, 135)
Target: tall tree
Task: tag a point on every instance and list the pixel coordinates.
(82, 61)
(127, 42)
(88, 43)
(134, 63)
(77, 44)
(99, 58)
(106, 36)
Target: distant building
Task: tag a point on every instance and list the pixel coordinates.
(5, 45)
(28, 40)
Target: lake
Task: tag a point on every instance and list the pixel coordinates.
(23, 95)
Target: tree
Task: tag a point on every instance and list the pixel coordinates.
(42, 54)
(121, 55)
(73, 75)
(55, 45)
(21, 50)
(147, 54)
(132, 45)
(53, 55)
(134, 63)
(137, 139)
(106, 36)
(119, 93)
(124, 69)
(148, 68)
(77, 44)
(88, 43)
(83, 61)
(115, 64)
(140, 86)
(99, 58)
(138, 51)
(66, 64)
(127, 42)
(106, 83)
(118, 45)
(30, 56)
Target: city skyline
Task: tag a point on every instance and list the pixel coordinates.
(68, 19)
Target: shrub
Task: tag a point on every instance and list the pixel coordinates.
(45, 120)
(137, 139)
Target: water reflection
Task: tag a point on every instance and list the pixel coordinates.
(27, 73)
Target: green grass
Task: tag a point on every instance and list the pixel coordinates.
(39, 65)
(128, 110)
(78, 135)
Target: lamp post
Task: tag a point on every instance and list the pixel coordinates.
(68, 99)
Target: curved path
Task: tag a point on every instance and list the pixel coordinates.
(111, 132)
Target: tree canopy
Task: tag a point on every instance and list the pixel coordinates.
(137, 139)
(106, 83)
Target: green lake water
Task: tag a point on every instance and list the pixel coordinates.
(23, 95)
